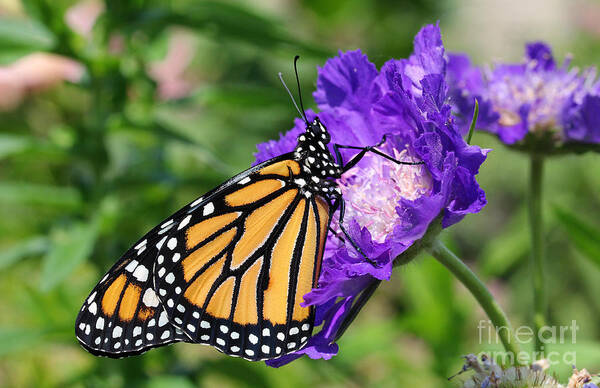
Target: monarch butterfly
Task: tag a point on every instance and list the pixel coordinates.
(229, 269)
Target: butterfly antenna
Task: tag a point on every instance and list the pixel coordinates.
(299, 91)
(291, 96)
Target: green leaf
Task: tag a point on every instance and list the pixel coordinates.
(70, 247)
(229, 20)
(13, 144)
(19, 37)
(33, 246)
(34, 194)
(585, 237)
(473, 122)
(170, 382)
(13, 340)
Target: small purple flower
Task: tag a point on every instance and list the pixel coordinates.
(388, 206)
(533, 99)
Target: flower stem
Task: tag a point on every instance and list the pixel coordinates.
(537, 258)
(487, 302)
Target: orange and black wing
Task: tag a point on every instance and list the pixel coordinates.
(235, 270)
(123, 315)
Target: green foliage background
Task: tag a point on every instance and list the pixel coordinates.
(87, 168)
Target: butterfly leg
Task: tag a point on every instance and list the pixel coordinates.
(339, 203)
(336, 234)
(363, 151)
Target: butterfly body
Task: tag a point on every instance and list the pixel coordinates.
(230, 269)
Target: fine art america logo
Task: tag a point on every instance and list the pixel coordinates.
(548, 335)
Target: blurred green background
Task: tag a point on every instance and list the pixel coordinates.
(144, 105)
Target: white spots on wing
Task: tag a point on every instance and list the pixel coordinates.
(100, 323)
(253, 339)
(235, 335)
(97, 341)
(178, 320)
(165, 230)
(172, 243)
(140, 244)
(151, 322)
(163, 319)
(209, 208)
(250, 352)
(184, 222)
(88, 329)
(161, 258)
(315, 179)
(82, 326)
(305, 327)
(126, 341)
(138, 343)
(235, 349)
(162, 292)
(170, 278)
(149, 336)
(166, 334)
(245, 180)
(161, 243)
(321, 144)
(303, 340)
(291, 345)
(205, 325)
(205, 337)
(178, 290)
(181, 308)
(137, 331)
(196, 202)
(312, 148)
(196, 314)
(224, 329)
(266, 332)
(141, 273)
(176, 257)
(166, 224)
(221, 341)
(294, 330)
(265, 349)
(161, 272)
(117, 331)
(93, 308)
(104, 278)
(131, 266)
(311, 159)
(170, 303)
(191, 327)
(150, 299)
(117, 345)
(91, 298)
(280, 336)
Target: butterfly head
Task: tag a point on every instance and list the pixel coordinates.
(318, 131)
(313, 154)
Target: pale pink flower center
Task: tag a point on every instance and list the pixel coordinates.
(373, 191)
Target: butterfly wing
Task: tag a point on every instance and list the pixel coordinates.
(122, 316)
(235, 270)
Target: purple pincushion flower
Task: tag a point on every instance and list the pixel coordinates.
(388, 206)
(534, 99)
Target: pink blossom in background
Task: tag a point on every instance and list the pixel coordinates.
(169, 72)
(32, 73)
(82, 16)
